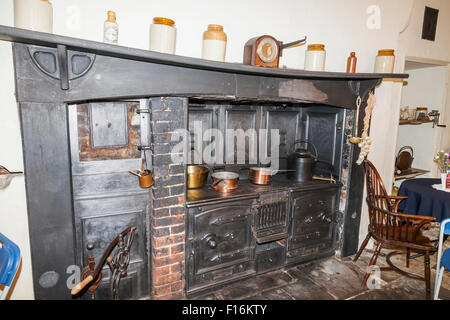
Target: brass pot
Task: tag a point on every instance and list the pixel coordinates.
(196, 176)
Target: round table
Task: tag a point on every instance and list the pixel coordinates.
(423, 199)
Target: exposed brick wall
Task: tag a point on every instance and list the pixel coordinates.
(168, 210)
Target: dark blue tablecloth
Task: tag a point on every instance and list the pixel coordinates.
(423, 199)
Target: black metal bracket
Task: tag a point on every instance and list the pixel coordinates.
(63, 66)
(355, 87)
(140, 148)
(139, 111)
(60, 63)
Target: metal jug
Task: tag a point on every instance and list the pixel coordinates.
(302, 161)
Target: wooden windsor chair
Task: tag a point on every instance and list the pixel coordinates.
(390, 228)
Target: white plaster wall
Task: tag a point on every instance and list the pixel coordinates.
(13, 211)
(411, 41)
(423, 50)
(340, 24)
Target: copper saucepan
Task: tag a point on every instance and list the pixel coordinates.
(225, 181)
(262, 175)
(145, 176)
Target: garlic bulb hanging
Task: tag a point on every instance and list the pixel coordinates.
(366, 141)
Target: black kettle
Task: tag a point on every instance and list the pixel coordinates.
(302, 161)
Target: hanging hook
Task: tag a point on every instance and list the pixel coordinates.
(356, 139)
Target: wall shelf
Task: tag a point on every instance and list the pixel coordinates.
(409, 173)
(6, 177)
(414, 122)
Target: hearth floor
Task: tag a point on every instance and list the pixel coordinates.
(336, 279)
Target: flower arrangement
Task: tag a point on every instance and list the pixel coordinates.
(443, 160)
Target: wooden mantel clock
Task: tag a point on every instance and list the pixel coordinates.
(265, 51)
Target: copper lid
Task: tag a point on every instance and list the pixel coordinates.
(166, 21)
(111, 16)
(386, 52)
(215, 27)
(316, 47)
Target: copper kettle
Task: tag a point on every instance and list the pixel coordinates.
(404, 158)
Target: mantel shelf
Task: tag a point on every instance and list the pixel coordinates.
(51, 40)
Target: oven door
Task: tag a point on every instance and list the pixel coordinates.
(222, 238)
(220, 245)
(312, 222)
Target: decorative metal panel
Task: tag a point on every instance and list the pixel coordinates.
(108, 125)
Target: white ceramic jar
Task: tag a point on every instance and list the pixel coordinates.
(384, 62)
(315, 57)
(163, 35)
(214, 43)
(35, 15)
(111, 29)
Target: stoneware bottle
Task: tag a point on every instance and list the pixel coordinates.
(111, 29)
(351, 63)
(163, 35)
(214, 43)
(35, 15)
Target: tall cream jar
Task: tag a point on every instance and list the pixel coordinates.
(163, 35)
(384, 62)
(315, 57)
(35, 15)
(214, 43)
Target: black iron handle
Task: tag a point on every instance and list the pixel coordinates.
(305, 141)
(405, 148)
(140, 148)
(291, 44)
(210, 240)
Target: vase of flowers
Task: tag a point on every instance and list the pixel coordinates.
(443, 161)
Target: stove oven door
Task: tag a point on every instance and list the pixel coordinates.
(313, 216)
(222, 245)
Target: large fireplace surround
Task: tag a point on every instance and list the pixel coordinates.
(71, 92)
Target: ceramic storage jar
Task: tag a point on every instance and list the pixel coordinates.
(315, 57)
(35, 15)
(163, 35)
(214, 43)
(384, 62)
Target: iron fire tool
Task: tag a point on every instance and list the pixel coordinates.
(92, 274)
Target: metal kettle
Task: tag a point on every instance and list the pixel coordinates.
(302, 161)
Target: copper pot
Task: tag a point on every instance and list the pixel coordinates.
(260, 175)
(145, 178)
(225, 181)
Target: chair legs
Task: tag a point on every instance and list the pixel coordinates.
(437, 285)
(408, 256)
(372, 262)
(4, 293)
(361, 249)
(427, 275)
